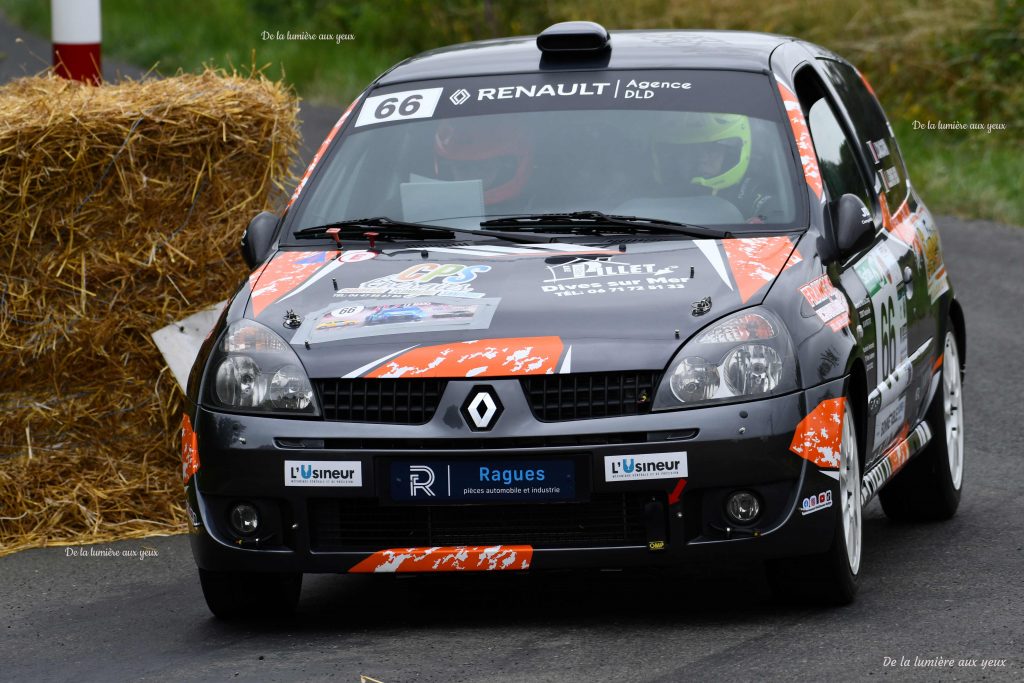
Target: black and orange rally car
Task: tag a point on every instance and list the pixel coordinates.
(584, 299)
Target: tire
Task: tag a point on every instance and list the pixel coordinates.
(831, 577)
(928, 488)
(231, 595)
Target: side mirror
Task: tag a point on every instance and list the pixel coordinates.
(257, 238)
(854, 223)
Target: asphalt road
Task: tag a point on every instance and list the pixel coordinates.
(953, 590)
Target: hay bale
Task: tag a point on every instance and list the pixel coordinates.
(120, 212)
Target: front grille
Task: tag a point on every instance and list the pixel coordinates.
(392, 401)
(554, 398)
(357, 524)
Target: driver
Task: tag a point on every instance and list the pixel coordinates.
(499, 155)
(709, 154)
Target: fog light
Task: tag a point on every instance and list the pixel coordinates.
(743, 507)
(245, 519)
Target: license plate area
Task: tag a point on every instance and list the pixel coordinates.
(468, 481)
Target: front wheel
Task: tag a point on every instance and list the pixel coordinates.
(230, 595)
(928, 487)
(832, 576)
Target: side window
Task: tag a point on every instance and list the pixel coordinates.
(838, 162)
(871, 127)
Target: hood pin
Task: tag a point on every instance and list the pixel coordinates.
(701, 307)
(292, 320)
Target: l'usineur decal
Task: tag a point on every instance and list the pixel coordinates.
(640, 467)
(327, 473)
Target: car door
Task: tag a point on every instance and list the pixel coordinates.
(878, 278)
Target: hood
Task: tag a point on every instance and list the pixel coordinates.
(494, 309)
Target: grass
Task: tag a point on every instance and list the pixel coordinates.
(970, 175)
(954, 59)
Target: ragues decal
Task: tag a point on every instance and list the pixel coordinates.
(479, 358)
(828, 303)
(818, 436)
(447, 559)
(324, 473)
(650, 466)
(425, 279)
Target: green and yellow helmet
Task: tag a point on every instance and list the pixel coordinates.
(677, 147)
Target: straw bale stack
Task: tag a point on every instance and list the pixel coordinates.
(121, 207)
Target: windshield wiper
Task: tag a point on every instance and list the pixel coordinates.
(391, 229)
(592, 221)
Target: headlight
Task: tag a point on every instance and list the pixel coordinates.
(743, 356)
(254, 370)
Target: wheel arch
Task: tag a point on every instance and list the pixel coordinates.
(955, 320)
(857, 395)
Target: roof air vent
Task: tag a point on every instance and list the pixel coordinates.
(574, 36)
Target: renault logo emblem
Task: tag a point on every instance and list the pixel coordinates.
(482, 408)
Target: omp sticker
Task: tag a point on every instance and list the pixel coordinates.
(447, 559)
(828, 303)
(879, 271)
(819, 436)
(284, 273)
(320, 152)
(804, 144)
(816, 503)
(650, 466)
(323, 473)
(189, 450)
(398, 106)
(480, 358)
(756, 261)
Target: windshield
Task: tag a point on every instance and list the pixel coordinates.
(698, 147)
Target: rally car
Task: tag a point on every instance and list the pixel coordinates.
(703, 315)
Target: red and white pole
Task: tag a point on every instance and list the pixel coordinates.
(76, 39)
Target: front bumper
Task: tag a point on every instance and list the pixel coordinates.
(653, 522)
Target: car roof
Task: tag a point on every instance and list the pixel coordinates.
(647, 49)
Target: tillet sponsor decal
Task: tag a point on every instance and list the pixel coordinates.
(828, 303)
(479, 358)
(291, 271)
(808, 157)
(582, 269)
(816, 503)
(320, 152)
(595, 276)
(757, 261)
(447, 559)
(650, 466)
(894, 460)
(189, 450)
(333, 473)
(819, 436)
(424, 279)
